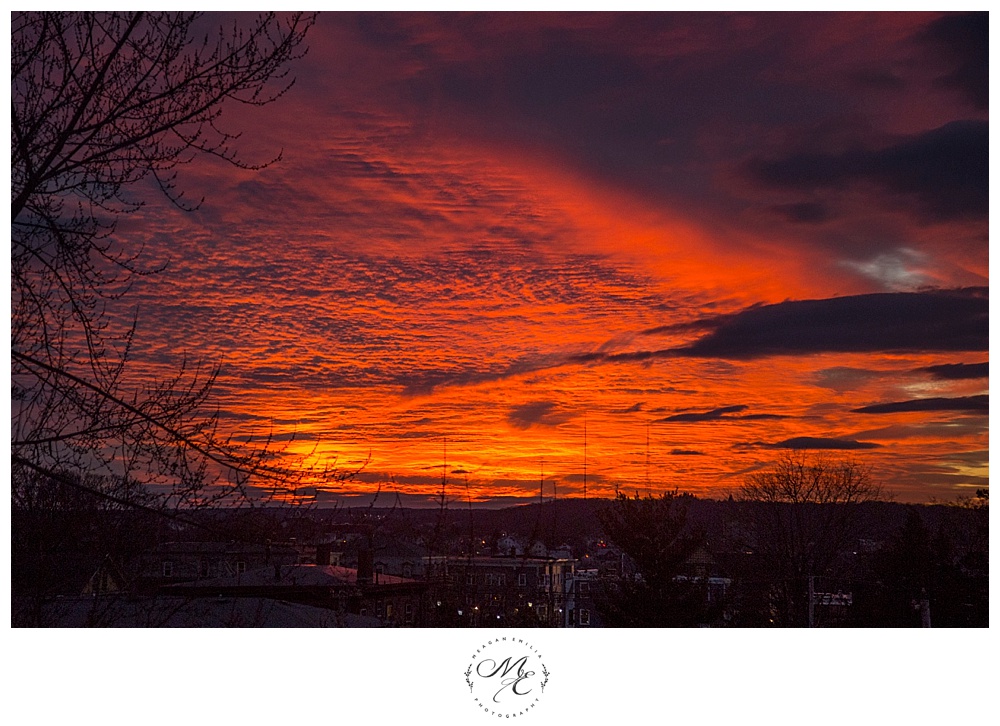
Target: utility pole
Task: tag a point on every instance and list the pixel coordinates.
(812, 600)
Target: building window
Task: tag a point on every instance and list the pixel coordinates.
(408, 612)
(168, 569)
(241, 567)
(584, 587)
(522, 579)
(407, 569)
(501, 579)
(490, 579)
(203, 568)
(470, 579)
(584, 617)
(543, 612)
(388, 611)
(380, 568)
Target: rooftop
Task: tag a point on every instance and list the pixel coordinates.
(294, 576)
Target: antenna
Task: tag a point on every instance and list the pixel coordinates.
(647, 458)
(541, 481)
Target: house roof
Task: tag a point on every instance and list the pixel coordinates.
(515, 561)
(216, 548)
(193, 612)
(293, 576)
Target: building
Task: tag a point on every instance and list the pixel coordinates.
(391, 556)
(173, 562)
(510, 591)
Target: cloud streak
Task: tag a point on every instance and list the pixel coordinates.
(957, 371)
(940, 175)
(940, 320)
(971, 404)
(537, 413)
(817, 443)
(725, 413)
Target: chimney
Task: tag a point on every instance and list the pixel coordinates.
(323, 552)
(277, 571)
(366, 566)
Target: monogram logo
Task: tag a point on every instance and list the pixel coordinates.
(506, 677)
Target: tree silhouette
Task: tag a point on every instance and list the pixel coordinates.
(653, 533)
(799, 518)
(102, 104)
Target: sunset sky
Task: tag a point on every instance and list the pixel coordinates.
(735, 235)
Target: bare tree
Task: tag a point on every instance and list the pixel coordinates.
(799, 519)
(102, 104)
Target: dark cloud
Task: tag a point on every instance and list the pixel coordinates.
(725, 413)
(285, 436)
(932, 320)
(239, 416)
(590, 477)
(957, 371)
(714, 415)
(803, 212)
(632, 356)
(631, 409)
(708, 322)
(946, 320)
(424, 382)
(392, 480)
(943, 173)
(627, 97)
(686, 452)
(566, 73)
(542, 413)
(814, 442)
(963, 41)
(975, 404)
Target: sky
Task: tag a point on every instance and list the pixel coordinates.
(645, 251)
